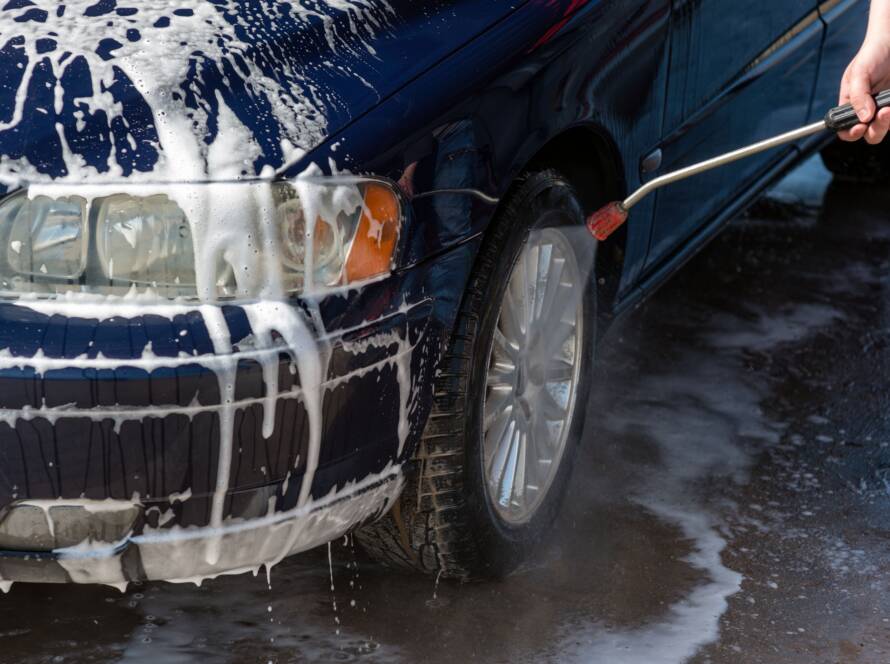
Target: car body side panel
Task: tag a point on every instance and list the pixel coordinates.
(712, 42)
(759, 98)
(846, 22)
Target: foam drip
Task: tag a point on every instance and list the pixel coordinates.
(266, 317)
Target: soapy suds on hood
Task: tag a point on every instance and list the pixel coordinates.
(161, 90)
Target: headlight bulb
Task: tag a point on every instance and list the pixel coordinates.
(327, 246)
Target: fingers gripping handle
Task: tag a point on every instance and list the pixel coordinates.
(844, 117)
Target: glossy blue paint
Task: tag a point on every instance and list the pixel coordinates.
(450, 95)
(722, 98)
(845, 24)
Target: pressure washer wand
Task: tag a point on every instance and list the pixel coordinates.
(609, 218)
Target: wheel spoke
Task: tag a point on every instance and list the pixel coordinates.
(543, 270)
(493, 427)
(542, 431)
(554, 279)
(509, 475)
(499, 430)
(496, 401)
(536, 275)
(564, 300)
(556, 336)
(559, 370)
(525, 287)
(533, 470)
(550, 409)
(556, 289)
(530, 274)
(509, 319)
(519, 479)
(542, 438)
(503, 347)
(502, 450)
(501, 374)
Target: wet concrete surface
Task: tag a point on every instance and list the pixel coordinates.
(731, 502)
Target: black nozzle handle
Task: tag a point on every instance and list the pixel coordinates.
(844, 117)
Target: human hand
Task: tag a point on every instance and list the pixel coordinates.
(406, 181)
(868, 73)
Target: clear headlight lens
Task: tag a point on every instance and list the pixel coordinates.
(215, 240)
(47, 237)
(145, 241)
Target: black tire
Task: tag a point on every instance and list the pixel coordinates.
(859, 161)
(444, 522)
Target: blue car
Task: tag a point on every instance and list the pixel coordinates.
(273, 272)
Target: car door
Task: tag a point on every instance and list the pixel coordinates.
(739, 72)
(845, 25)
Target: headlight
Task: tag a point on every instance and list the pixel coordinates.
(47, 237)
(208, 241)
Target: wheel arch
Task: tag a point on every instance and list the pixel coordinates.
(590, 159)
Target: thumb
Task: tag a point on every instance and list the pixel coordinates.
(860, 96)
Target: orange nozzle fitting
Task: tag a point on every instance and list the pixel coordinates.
(606, 220)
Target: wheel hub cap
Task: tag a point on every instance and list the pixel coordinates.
(532, 376)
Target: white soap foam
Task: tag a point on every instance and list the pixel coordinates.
(792, 323)
(158, 65)
(85, 564)
(94, 506)
(244, 545)
(688, 624)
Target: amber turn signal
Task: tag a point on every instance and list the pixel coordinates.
(377, 235)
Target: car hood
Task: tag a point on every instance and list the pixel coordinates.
(107, 90)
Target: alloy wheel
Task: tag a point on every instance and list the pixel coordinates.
(533, 374)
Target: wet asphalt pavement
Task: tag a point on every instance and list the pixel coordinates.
(731, 504)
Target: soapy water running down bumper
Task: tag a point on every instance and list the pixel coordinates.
(256, 404)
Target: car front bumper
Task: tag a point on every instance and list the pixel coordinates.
(183, 554)
(127, 410)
